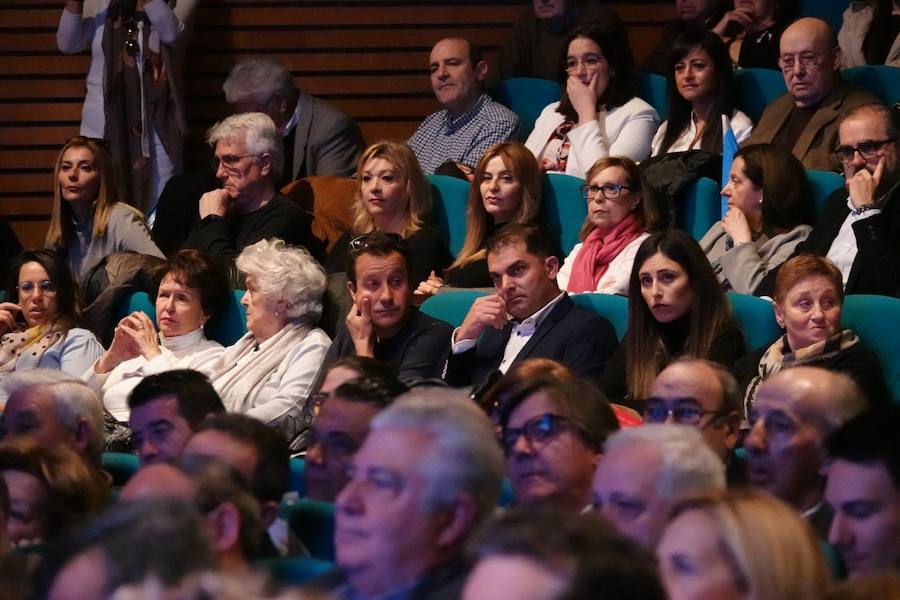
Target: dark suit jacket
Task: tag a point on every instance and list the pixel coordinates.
(815, 147)
(326, 141)
(578, 338)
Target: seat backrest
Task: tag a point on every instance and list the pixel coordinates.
(313, 522)
(701, 206)
(294, 571)
(876, 320)
(613, 308)
(822, 184)
(831, 11)
(451, 306)
(881, 80)
(526, 96)
(449, 197)
(330, 200)
(231, 323)
(120, 465)
(136, 301)
(652, 89)
(564, 209)
(756, 318)
(757, 88)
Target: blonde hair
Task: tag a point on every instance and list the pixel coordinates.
(418, 192)
(518, 159)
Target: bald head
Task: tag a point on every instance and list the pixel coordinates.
(159, 481)
(810, 60)
(823, 398)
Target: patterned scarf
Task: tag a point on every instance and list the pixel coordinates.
(37, 339)
(598, 251)
(555, 156)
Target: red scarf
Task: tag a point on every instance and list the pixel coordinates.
(598, 251)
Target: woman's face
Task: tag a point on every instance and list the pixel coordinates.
(743, 193)
(27, 498)
(178, 307)
(666, 288)
(383, 190)
(501, 191)
(695, 76)
(692, 562)
(584, 60)
(265, 318)
(37, 295)
(606, 213)
(79, 179)
(810, 312)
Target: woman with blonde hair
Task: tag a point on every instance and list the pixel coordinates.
(741, 544)
(393, 197)
(87, 221)
(506, 188)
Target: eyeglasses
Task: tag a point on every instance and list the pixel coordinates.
(229, 161)
(131, 43)
(26, 288)
(590, 62)
(538, 430)
(362, 242)
(867, 150)
(610, 191)
(685, 413)
(808, 60)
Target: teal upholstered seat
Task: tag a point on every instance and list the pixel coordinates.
(526, 96)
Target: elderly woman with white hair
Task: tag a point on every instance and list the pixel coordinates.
(267, 372)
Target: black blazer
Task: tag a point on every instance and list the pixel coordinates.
(578, 338)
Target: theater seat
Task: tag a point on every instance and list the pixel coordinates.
(652, 90)
(755, 89)
(876, 319)
(881, 80)
(449, 198)
(294, 571)
(756, 318)
(231, 323)
(313, 522)
(612, 308)
(451, 306)
(136, 301)
(700, 207)
(822, 185)
(120, 465)
(564, 209)
(525, 96)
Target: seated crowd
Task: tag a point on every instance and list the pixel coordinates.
(527, 451)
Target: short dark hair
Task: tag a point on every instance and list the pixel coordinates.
(377, 391)
(584, 549)
(868, 438)
(376, 243)
(195, 270)
(272, 473)
(195, 395)
(67, 298)
(537, 241)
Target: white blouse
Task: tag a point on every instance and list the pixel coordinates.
(740, 124)
(615, 279)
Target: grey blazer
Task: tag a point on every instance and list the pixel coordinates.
(326, 141)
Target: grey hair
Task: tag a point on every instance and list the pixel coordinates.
(73, 400)
(286, 273)
(731, 394)
(688, 466)
(464, 455)
(258, 133)
(843, 401)
(259, 78)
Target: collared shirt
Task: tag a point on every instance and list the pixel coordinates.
(441, 138)
(843, 249)
(295, 118)
(741, 125)
(518, 337)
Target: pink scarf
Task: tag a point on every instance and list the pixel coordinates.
(597, 252)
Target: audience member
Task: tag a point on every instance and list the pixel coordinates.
(334, 373)
(383, 323)
(598, 114)
(645, 471)
(690, 15)
(700, 92)
(552, 432)
(339, 428)
(395, 198)
(269, 371)
(621, 214)
(869, 34)
(428, 473)
(795, 411)
(451, 140)
(808, 299)
(248, 208)
(684, 312)
(805, 119)
(190, 290)
(863, 490)
(87, 221)
(740, 544)
(54, 410)
(506, 189)
(15, 567)
(752, 31)
(547, 554)
(40, 318)
(527, 317)
(165, 409)
(770, 212)
(697, 392)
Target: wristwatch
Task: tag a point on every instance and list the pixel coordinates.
(865, 207)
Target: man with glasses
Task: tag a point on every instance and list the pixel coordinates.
(804, 120)
(703, 394)
(383, 323)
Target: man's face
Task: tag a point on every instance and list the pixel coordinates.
(28, 506)
(869, 127)
(383, 535)
(509, 577)
(32, 412)
(159, 431)
(337, 431)
(547, 461)
(693, 391)
(384, 282)
(866, 526)
(624, 491)
(784, 445)
(550, 9)
(210, 443)
(800, 43)
(240, 172)
(691, 10)
(455, 80)
(524, 281)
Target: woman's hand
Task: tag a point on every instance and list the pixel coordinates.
(733, 23)
(583, 97)
(122, 348)
(146, 340)
(8, 311)
(430, 286)
(736, 226)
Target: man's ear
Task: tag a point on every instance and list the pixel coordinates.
(82, 436)
(551, 264)
(457, 521)
(225, 521)
(265, 164)
(732, 424)
(481, 71)
(351, 287)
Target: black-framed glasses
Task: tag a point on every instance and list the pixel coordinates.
(26, 288)
(808, 60)
(590, 62)
(362, 242)
(868, 150)
(131, 42)
(610, 191)
(686, 412)
(538, 430)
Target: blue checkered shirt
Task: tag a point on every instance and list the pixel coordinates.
(441, 138)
